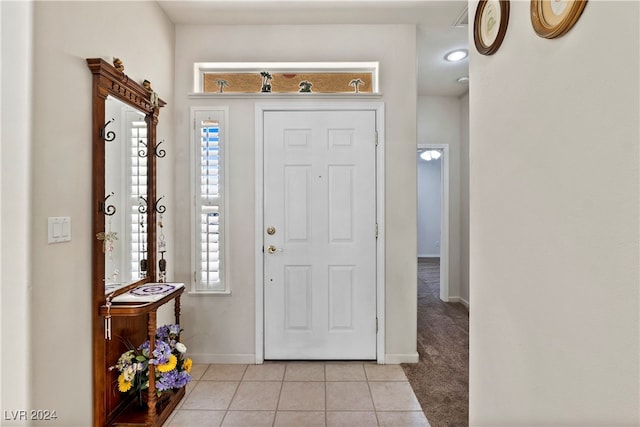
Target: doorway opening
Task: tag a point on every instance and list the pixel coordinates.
(433, 209)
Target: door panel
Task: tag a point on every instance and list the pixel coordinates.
(320, 273)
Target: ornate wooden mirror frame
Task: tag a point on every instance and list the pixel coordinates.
(109, 81)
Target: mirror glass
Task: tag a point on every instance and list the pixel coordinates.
(125, 206)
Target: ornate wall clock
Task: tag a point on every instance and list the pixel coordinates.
(553, 18)
(490, 25)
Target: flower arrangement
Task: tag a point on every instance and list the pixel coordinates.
(172, 367)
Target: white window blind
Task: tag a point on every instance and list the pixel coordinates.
(138, 151)
(209, 198)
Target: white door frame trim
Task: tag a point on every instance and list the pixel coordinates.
(444, 215)
(260, 109)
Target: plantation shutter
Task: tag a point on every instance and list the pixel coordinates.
(209, 200)
(138, 185)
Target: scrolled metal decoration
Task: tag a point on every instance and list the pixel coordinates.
(142, 207)
(107, 136)
(108, 210)
(142, 152)
(158, 207)
(161, 152)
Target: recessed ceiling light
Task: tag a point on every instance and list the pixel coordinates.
(463, 79)
(456, 55)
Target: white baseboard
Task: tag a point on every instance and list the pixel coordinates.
(206, 358)
(460, 300)
(250, 359)
(396, 359)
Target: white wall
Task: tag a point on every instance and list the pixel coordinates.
(65, 33)
(221, 328)
(464, 199)
(429, 207)
(554, 221)
(15, 150)
(439, 121)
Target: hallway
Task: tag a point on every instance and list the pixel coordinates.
(440, 379)
(299, 394)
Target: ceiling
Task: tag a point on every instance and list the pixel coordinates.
(437, 32)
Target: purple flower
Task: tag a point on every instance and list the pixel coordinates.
(163, 332)
(172, 379)
(161, 353)
(168, 332)
(144, 347)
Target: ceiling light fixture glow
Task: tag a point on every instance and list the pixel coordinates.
(429, 155)
(463, 79)
(456, 55)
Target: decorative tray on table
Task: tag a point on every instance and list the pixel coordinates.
(149, 292)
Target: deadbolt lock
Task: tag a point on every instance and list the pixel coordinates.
(271, 230)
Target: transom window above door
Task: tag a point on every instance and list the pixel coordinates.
(286, 77)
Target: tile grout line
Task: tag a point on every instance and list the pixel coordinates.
(375, 410)
(326, 414)
(226, 412)
(275, 415)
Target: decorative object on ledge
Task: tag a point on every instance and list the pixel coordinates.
(222, 83)
(153, 97)
(266, 81)
(305, 86)
(355, 83)
(161, 152)
(490, 25)
(118, 65)
(553, 18)
(108, 136)
(160, 365)
(108, 210)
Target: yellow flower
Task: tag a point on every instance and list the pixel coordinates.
(170, 365)
(187, 365)
(123, 384)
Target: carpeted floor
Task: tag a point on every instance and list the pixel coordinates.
(441, 377)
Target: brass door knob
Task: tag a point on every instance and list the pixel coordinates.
(272, 249)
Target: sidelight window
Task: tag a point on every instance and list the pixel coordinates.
(210, 196)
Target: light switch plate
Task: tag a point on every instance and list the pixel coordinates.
(59, 229)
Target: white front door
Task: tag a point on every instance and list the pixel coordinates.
(319, 235)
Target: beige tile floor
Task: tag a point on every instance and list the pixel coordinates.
(299, 394)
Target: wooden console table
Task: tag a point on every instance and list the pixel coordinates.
(131, 414)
